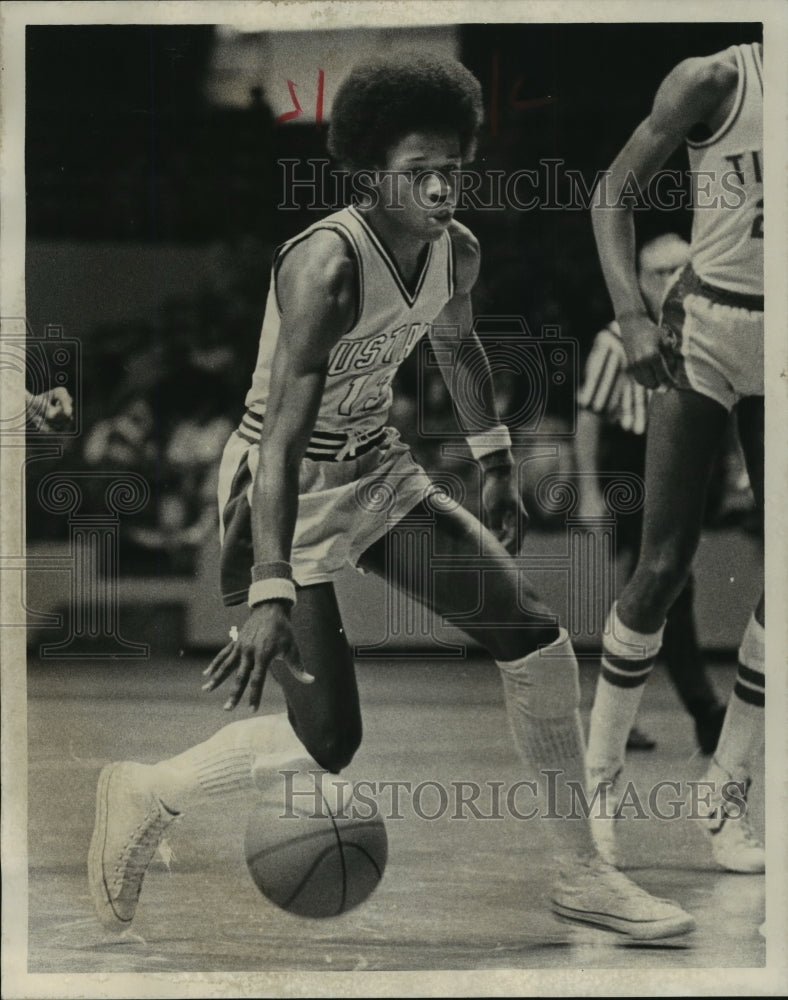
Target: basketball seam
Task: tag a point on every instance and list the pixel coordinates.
(306, 877)
(369, 858)
(341, 854)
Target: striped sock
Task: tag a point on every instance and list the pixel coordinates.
(742, 732)
(627, 660)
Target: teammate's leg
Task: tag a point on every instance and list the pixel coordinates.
(540, 679)
(687, 670)
(629, 529)
(684, 433)
(136, 802)
(734, 844)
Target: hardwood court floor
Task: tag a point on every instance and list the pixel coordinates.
(458, 894)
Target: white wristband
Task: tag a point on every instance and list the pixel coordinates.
(496, 439)
(273, 589)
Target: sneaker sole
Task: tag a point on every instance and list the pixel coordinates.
(638, 930)
(102, 903)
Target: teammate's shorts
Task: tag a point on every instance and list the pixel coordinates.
(713, 339)
(343, 508)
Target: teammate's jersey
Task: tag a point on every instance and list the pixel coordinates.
(727, 226)
(390, 320)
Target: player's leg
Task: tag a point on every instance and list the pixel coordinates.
(687, 670)
(326, 714)
(629, 528)
(540, 679)
(323, 718)
(136, 802)
(684, 434)
(496, 606)
(734, 844)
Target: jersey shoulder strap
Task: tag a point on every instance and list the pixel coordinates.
(337, 223)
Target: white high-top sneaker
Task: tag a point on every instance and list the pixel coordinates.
(590, 891)
(726, 824)
(130, 822)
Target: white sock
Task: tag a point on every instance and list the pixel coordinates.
(542, 698)
(742, 732)
(231, 760)
(627, 660)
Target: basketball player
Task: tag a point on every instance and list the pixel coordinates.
(313, 480)
(610, 436)
(706, 359)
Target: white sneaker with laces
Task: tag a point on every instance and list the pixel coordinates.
(734, 844)
(130, 821)
(594, 892)
(602, 818)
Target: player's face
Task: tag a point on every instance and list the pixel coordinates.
(418, 187)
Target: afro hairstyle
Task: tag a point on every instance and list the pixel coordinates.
(387, 97)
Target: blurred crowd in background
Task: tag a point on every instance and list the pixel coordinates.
(127, 146)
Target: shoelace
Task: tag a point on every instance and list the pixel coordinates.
(137, 853)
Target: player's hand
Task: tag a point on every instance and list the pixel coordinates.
(265, 636)
(52, 410)
(642, 341)
(503, 510)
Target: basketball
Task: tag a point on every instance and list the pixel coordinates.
(315, 862)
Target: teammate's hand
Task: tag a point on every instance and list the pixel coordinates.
(52, 410)
(642, 340)
(503, 510)
(265, 636)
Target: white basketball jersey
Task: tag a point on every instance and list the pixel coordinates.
(390, 321)
(727, 225)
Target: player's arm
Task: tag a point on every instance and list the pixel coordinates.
(689, 95)
(465, 368)
(316, 292)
